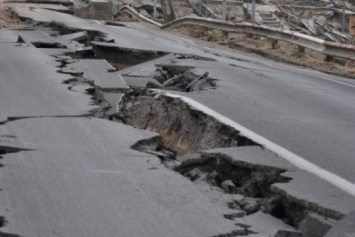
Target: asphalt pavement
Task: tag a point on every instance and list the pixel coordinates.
(79, 176)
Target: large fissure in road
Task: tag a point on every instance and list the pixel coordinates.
(181, 127)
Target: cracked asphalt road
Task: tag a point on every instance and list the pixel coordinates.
(81, 178)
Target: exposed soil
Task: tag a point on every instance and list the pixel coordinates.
(8, 20)
(182, 128)
(125, 17)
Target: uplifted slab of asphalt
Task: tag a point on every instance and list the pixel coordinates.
(98, 71)
(113, 99)
(308, 187)
(74, 36)
(36, 37)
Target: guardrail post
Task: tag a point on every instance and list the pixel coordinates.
(301, 50)
(225, 34)
(155, 9)
(224, 11)
(274, 43)
(328, 58)
(253, 10)
(349, 63)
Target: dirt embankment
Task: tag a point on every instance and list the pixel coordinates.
(283, 52)
(7, 19)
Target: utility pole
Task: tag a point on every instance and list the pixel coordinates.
(224, 9)
(155, 9)
(172, 12)
(253, 11)
(343, 23)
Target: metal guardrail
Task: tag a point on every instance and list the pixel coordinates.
(325, 47)
(133, 12)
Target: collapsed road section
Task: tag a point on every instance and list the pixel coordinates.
(136, 160)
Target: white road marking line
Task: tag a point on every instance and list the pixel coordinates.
(97, 22)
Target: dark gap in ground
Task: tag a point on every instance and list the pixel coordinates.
(91, 34)
(254, 182)
(10, 119)
(63, 62)
(72, 73)
(20, 40)
(118, 57)
(98, 100)
(83, 54)
(71, 81)
(78, 80)
(244, 232)
(195, 57)
(3, 234)
(155, 147)
(2, 221)
(2, 224)
(46, 45)
(115, 23)
(8, 149)
(121, 58)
